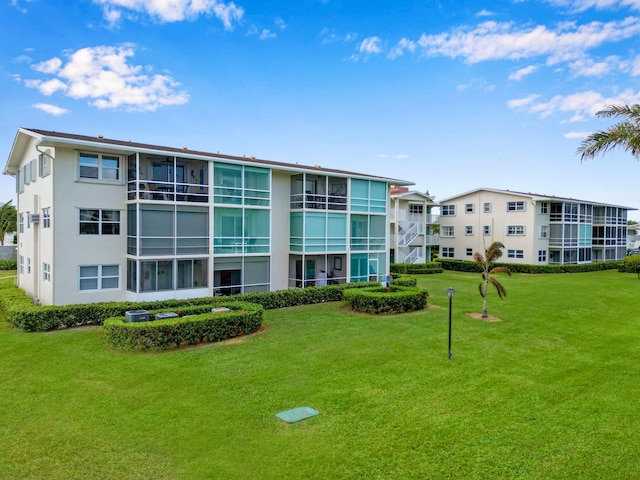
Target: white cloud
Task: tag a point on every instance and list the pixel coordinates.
(266, 34)
(370, 45)
(404, 45)
(50, 66)
(280, 23)
(580, 105)
(330, 36)
(16, 4)
(173, 10)
(572, 135)
(103, 76)
(582, 5)
(485, 13)
(50, 109)
(499, 41)
(523, 72)
(587, 67)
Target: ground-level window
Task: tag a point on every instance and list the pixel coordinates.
(542, 255)
(46, 272)
(99, 277)
(515, 253)
(448, 252)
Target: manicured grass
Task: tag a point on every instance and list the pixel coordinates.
(549, 392)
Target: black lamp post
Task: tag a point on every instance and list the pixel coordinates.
(450, 293)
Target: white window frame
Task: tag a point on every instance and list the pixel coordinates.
(469, 252)
(544, 231)
(21, 265)
(515, 253)
(486, 230)
(28, 265)
(542, 255)
(101, 168)
(468, 230)
(21, 223)
(487, 207)
(46, 272)
(516, 206)
(44, 165)
(46, 217)
(99, 221)
(544, 208)
(469, 208)
(448, 252)
(100, 277)
(515, 230)
(448, 210)
(447, 231)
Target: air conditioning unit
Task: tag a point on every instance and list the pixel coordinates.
(136, 316)
(34, 217)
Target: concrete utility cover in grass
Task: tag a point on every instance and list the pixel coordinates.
(297, 414)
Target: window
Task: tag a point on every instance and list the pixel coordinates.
(469, 208)
(544, 207)
(28, 219)
(21, 270)
(99, 167)
(28, 265)
(515, 253)
(469, 252)
(487, 208)
(44, 165)
(447, 231)
(544, 231)
(448, 210)
(468, 230)
(447, 252)
(99, 277)
(46, 272)
(515, 206)
(21, 223)
(542, 255)
(99, 222)
(486, 230)
(46, 217)
(515, 230)
(415, 209)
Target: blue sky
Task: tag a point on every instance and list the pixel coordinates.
(452, 95)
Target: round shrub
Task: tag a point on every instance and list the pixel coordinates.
(382, 300)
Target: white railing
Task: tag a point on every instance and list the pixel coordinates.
(406, 235)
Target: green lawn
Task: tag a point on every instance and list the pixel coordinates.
(552, 391)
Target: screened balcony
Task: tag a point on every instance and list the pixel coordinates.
(318, 192)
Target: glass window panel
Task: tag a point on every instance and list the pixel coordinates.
(185, 273)
(378, 191)
(200, 277)
(315, 225)
(227, 263)
(192, 222)
(156, 221)
(148, 278)
(165, 275)
(110, 270)
(295, 224)
(88, 284)
(337, 225)
(109, 283)
(91, 271)
(256, 270)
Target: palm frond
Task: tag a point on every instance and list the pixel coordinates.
(481, 289)
(499, 288)
(478, 258)
(501, 270)
(624, 135)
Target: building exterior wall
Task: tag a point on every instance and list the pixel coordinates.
(217, 226)
(533, 229)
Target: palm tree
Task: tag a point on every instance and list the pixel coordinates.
(491, 254)
(8, 219)
(624, 134)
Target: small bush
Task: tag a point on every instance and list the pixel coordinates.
(400, 280)
(467, 266)
(195, 325)
(631, 264)
(8, 264)
(385, 300)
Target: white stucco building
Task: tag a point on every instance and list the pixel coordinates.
(413, 226)
(110, 220)
(535, 229)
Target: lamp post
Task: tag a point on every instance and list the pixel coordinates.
(450, 293)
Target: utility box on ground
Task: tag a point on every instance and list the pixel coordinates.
(137, 316)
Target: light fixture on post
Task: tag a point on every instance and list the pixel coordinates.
(450, 293)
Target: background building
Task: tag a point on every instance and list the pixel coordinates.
(535, 229)
(109, 220)
(413, 226)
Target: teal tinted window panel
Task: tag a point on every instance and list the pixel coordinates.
(256, 223)
(225, 175)
(227, 222)
(377, 226)
(315, 225)
(132, 220)
(296, 224)
(359, 188)
(337, 225)
(378, 191)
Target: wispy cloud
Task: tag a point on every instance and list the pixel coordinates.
(582, 5)
(398, 156)
(370, 45)
(103, 76)
(580, 105)
(50, 109)
(573, 135)
(485, 13)
(404, 45)
(329, 36)
(18, 5)
(522, 72)
(173, 10)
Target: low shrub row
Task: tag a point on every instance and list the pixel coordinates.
(195, 325)
(403, 280)
(8, 264)
(467, 266)
(630, 264)
(416, 268)
(19, 309)
(391, 299)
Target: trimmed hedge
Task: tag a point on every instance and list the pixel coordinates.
(402, 280)
(8, 264)
(416, 268)
(19, 309)
(379, 300)
(630, 264)
(196, 325)
(467, 266)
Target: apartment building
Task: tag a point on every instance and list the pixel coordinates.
(111, 220)
(413, 226)
(535, 229)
